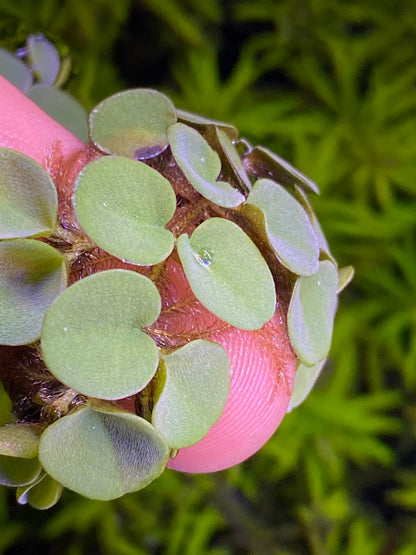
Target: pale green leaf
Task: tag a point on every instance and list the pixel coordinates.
(322, 241)
(28, 198)
(311, 313)
(287, 226)
(196, 385)
(17, 471)
(305, 379)
(201, 165)
(43, 58)
(62, 107)
(91, 338)
(14, 70)
(232, 166)
(345, 276)
(123, 205)
(132, 123)
(103, 454)
(32, 275)
(43, 494)
(20, 440)
(228, 274)
(201, 123)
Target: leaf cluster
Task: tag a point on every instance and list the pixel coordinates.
(330, 86)
(92, 335)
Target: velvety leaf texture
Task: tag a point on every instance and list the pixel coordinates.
(228, 274)
(103, 454)
(91, 338)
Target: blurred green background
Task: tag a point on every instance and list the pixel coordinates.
(331, 86)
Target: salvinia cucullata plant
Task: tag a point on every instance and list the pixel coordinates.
(125, 286)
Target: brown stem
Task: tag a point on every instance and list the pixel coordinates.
(35, 394)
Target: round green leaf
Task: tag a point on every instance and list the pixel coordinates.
(132, 123)
(103, 455)
(261, 162)
(32, 275)
(43, 58)
(288, 227)
(18, 472)
(201, 165)
(228, 274)
(28, 198)
(62, 107)
(43, 494)
(14, 70)
(305, 379)
(197, 382)
(19, 440)
(91, 337)
(201, 123)
(123, 205)
(311, 313)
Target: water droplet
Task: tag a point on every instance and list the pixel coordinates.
(319, 282)
(203, 159)
(65, 329)
(105, 204)
(204, 257)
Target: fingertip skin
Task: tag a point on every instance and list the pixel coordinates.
(262, 361)
(261, 387)
(262, 375)
(27, 128)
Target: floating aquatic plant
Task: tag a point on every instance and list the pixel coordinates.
(166, 189)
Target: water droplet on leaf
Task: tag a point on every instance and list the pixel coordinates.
(204, 257)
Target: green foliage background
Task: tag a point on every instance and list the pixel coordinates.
(331, 86)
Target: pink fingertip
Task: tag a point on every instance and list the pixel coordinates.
(262, 362)
(260, 391)
(27, 128)
(262, 374)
